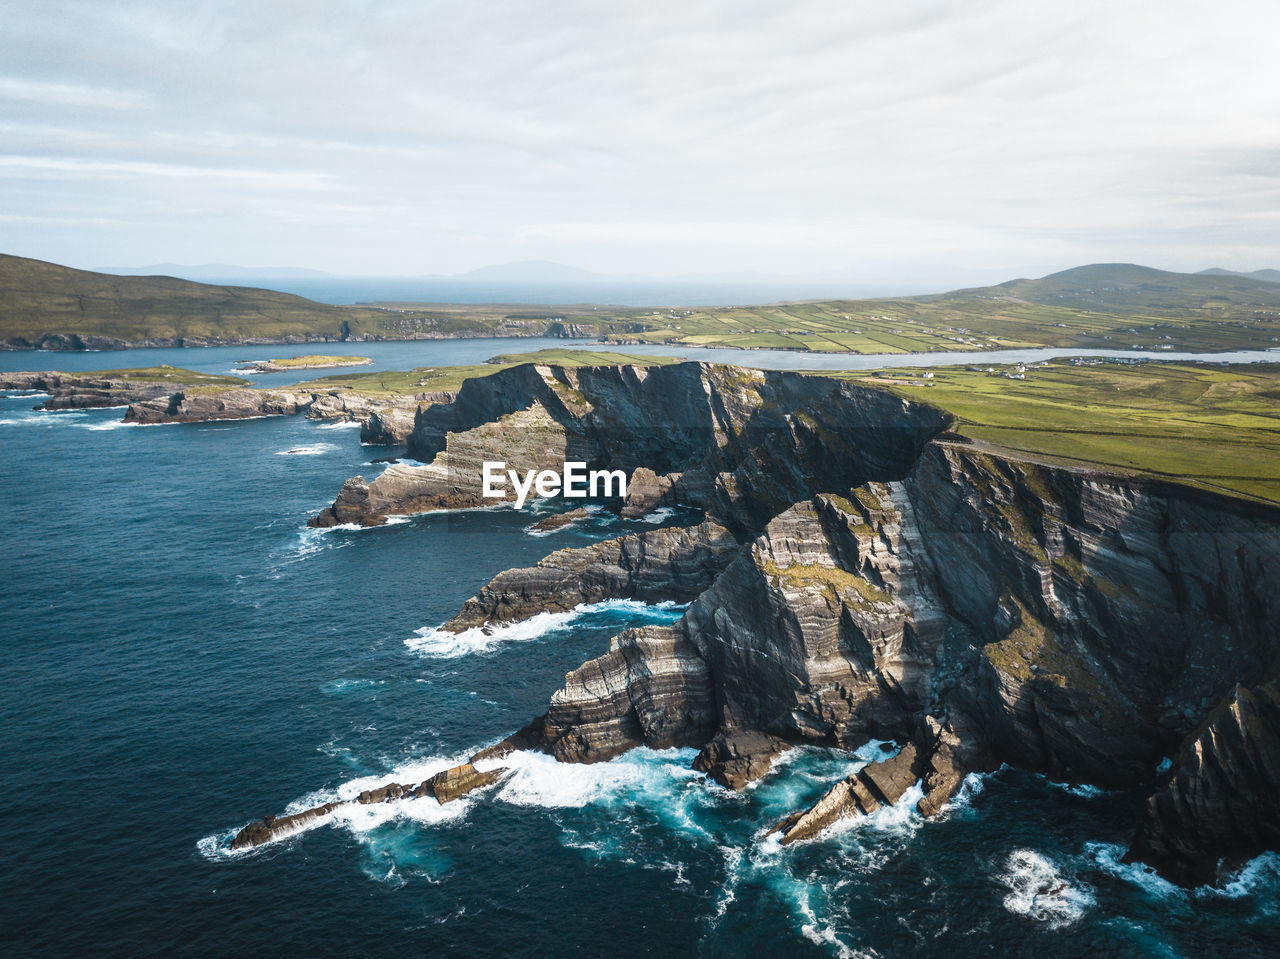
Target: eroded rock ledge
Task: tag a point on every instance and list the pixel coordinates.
(661, 565)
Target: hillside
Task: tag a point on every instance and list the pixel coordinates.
(44, 305)
(1103, 306)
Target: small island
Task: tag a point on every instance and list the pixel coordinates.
(312, 361)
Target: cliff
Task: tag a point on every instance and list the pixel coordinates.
(742, 442)
(892, 582)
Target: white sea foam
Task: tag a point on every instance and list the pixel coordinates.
(1261, 874)
(357, 528)
(356, 818)
(1108, 857)
(340, 425)
(1038, 891)
(1083, 790)
(44, 417)
(443, 644)
(660, 515)
(313, 449)
(104, 427)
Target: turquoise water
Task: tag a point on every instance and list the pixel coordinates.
(180, 655)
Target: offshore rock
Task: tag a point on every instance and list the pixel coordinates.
(734, 759)
(456, 782)
(870, 788)
(672, 564)
(560, 520)
(445, 786)
(1222, 804)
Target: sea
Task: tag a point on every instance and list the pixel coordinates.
(181, 655)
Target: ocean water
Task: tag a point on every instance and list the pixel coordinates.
(180, 656)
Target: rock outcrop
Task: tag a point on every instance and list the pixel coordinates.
(741, 443)
(869, 789)
(735, 758)
(673, 564)
(385, 418)
(651, 688)
(1221, 805)
(1062, 621)
(445, 786)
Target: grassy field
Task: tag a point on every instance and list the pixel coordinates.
(1100, 307)
(172, 375)
(1211, 426)
(429, 379)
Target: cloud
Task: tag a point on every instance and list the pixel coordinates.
(896, 139)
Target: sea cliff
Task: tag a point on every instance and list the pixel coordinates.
(864, 573)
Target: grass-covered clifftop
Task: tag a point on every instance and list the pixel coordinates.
(1211, 426)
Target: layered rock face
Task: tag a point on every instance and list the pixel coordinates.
(197, 406)
(652, 688)
(1061, 621)
(655, 566)
(742, 443)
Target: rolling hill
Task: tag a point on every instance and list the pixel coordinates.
(43, 305)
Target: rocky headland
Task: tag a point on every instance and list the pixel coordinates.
(863, 572)
(385, 419)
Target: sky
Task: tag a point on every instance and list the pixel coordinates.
(918, 141)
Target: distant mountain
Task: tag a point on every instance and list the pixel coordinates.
(1129, 288)
(1269, 276)
(224, 272)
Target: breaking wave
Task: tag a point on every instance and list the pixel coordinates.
(1038, 891)
(313, 449)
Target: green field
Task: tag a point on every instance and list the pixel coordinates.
(1101, 307)
(169, 375)
(1211, 426)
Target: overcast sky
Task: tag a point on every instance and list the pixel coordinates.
(915, 140)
